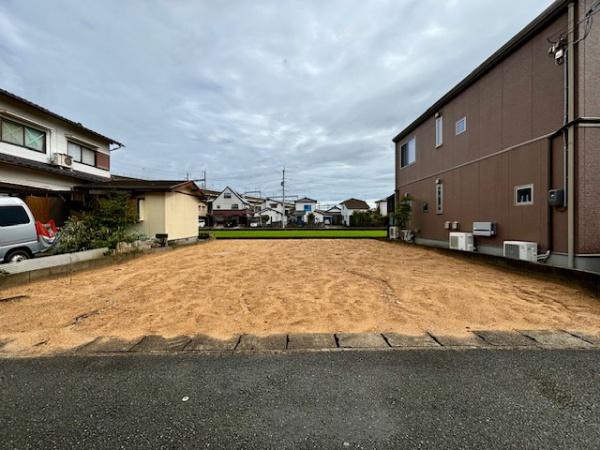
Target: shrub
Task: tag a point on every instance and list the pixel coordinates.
(403, 212)
(367, 219)
(104, 225)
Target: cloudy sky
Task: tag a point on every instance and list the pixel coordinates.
(242, 88)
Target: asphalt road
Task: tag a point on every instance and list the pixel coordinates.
(484, 399)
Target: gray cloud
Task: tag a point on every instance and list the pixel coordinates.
(243, 88)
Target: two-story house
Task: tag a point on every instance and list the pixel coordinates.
(302, 208)
(349, 207)
(512, 153)
(43, 156)
(231, 208)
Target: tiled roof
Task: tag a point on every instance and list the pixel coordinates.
(24, 162)
(353, 203)
(57, 116)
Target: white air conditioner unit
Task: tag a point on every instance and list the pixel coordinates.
(394, 233)
(462, 241)
(62, 160)
(525, 251)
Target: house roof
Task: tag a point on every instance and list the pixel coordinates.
(58, 116)
(242, 199)
(137, 185)
(548, 15)
(305, 200)
(353, 203)
(56, 170)
(268, 209)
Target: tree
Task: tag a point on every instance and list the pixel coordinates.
(403, 212)
(105, 225)
(310, 218)
(265, 219)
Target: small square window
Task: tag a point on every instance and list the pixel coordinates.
(461, 126)
(235, 206)
(524, 195)
(227, 195)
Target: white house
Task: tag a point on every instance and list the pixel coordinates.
(273, 215)
(44, 155)
(230, 207)
(381, 206)
(350, 206)
(303, 207)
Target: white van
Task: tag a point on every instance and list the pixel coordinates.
(18, 236)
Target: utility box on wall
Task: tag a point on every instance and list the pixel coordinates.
(556, 197)
(484, 229)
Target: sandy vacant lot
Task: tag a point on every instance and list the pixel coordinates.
(229, 287)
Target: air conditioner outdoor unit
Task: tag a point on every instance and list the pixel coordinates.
(462, 241)
(394, 234)
(525, 251)
(62, 160)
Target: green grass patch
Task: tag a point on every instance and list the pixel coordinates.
(296, 234)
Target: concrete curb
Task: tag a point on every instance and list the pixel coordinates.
(294, 343)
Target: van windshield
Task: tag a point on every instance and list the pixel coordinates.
(13, 215)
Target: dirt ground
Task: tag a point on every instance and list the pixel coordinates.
(224, 288)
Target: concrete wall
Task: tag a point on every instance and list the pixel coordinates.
(154, 215)
(181, 215)
(57, 133)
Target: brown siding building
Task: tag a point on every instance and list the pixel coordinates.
(523, 123)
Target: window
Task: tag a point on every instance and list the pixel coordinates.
(408, 153)
(235, 206)
(439, 131)
(27, 137)
(13, 215)
(307, 208)
(524, 195)
(81, 154)
(439, 198)
(227, 195)
(461, 126)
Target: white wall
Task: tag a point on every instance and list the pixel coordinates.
(35, 178)
(346, 213)
(57, 133)
(274, 216)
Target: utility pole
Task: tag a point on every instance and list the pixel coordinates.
(204, 179)
(283, 217)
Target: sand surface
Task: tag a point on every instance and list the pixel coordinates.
(225, 288)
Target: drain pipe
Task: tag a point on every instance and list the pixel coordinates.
(571, 138)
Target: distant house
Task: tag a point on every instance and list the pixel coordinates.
(382, 207)
(274, 216)
(163, 206)
(230, 208)
(331, 216)
(302, 208)
(43, 156)
(350, 206)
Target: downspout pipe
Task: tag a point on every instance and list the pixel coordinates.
(571, 138)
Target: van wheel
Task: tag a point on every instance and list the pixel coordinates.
(17, 256)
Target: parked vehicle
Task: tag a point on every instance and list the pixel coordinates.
(18, 235)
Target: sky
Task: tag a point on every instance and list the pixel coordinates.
(241, 89)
